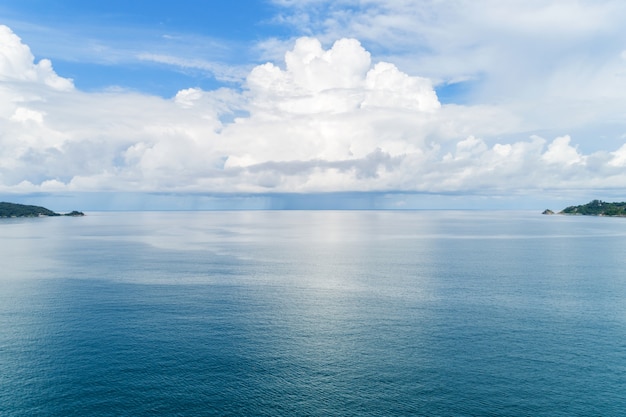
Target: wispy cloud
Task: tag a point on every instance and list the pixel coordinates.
(222, 72)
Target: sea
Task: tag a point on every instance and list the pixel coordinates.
(313, 313)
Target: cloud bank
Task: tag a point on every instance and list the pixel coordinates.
(324, 120)
(556, 64)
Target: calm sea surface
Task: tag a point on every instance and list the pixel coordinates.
(296, 313)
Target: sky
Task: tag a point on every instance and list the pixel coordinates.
(300, 104)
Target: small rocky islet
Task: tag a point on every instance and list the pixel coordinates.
(24, 210)
(594, 208)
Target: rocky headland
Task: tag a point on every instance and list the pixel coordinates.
(594, 208)
(23, 210)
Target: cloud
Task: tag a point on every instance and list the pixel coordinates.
(17, 64)
(337, 80)
(560, 152)
(220, 71)
(25, 115)
(557, 65)
(324, 120)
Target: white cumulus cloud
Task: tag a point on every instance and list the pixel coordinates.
(17, 64)
(324, 119)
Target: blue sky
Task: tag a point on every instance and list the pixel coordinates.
(83, 32)
(312, 103)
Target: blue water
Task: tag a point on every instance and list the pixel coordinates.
(317, 313)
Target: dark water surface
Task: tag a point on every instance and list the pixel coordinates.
(313, 313)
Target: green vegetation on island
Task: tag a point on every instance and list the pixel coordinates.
(22, 210)
(595, 208)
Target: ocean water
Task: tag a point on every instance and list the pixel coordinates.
(313, 313)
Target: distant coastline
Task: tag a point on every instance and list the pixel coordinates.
(594, 208)
(8, 210)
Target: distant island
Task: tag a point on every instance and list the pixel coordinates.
(22, 210)
(595, 208)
